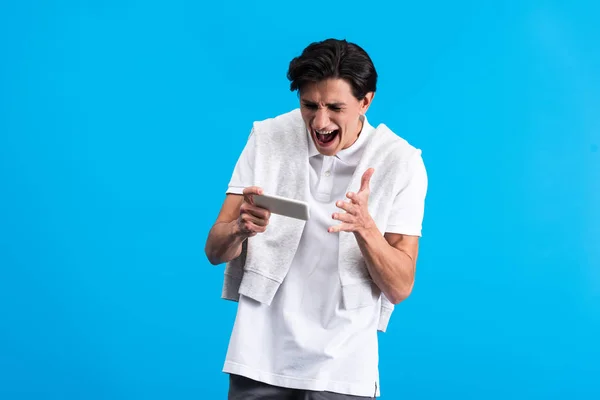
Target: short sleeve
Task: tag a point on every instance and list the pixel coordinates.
(243, 173)
(408, 208)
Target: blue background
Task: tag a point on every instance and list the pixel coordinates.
(120, 124)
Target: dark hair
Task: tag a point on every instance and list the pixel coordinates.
(334, 58)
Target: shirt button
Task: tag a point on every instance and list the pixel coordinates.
(327, 173)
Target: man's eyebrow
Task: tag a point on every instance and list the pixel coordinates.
(335, 104)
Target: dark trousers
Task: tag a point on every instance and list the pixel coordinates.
(242, 388)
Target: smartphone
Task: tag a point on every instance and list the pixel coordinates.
(283, 206)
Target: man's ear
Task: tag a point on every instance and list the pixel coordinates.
(366, 102)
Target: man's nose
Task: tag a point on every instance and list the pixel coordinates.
(321, 120)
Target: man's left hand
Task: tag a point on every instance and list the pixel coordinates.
(356, 217)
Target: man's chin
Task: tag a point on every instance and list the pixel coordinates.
(328, 151)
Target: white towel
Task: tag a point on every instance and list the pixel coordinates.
(281, 168)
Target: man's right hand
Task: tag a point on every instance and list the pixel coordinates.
(252, 219)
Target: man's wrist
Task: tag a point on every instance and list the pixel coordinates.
(236, 232)
(368, 233)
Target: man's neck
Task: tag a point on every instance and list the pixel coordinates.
(360, 128)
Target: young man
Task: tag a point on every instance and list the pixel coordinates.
(312, 295)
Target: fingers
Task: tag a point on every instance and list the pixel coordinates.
(249, 192)
(255, 211)
(340, 228)
(252, 223)
(250, 229)
(252, 219)
(252, 190)
(353, 198)
(356, 216)
(344, 217)
(366, 179)
(346, 206)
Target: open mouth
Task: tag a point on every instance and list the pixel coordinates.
(325, 138)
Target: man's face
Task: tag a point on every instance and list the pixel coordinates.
(332, 114)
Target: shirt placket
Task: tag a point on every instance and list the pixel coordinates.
(326, 179)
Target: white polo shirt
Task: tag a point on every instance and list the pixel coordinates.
(305, 339)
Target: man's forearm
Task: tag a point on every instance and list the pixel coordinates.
(392, 270)
(224, 242)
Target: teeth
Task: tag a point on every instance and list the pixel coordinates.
(324, 132)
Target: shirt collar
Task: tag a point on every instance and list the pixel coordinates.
(352, 154)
